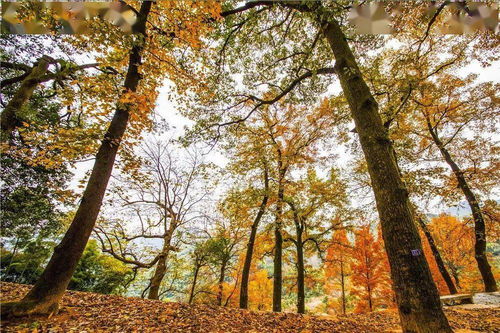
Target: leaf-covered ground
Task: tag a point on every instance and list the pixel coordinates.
(89, 312)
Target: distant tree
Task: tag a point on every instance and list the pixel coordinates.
(368, 270)
(100, 273)
(200, 257)
(316, 209)
(96, 272)
(164, 198)
(338, 267)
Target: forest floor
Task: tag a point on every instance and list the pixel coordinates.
(90, 312)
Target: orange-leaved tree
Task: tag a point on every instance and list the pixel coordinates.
(369, 271)
(338, 269)
(144, 50)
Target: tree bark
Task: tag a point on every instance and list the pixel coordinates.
(490, 284)
(160, 270)
(221, 282)
(342, 285)
(369, 289)
(416, 293)
(301, 295)
(437, 256)
(9, 118)
(47, 292)
(245, 275)
(193, 285)
(278, 243)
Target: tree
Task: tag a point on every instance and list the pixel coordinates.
(99, 273)
(281, 139)
(200, 256)
(435, 115)
(437, 257)
(455, 239)
(432, 106)
(245, 275)
(44, 297)
(337, 265)
(311, 201)
(164, 199)
(260, 291)
(417, 296)
(31, 78)
(368, 270)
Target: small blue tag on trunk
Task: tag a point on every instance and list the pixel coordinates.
(416, 252)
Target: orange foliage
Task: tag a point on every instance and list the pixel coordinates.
(370, 275)
(455, 241)
(337, 270)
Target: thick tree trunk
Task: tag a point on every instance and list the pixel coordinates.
(301, 294)
(479, 225)
(193, 285)
(251, 242)
(437, 256)
(45, 295)
(416, 293)
(161, 265)
(9, 118)
(278, 244)
(157, 278)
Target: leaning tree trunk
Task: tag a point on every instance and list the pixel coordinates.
(193, 285)
(47, 292)
(9, 118)
(479, 225)
(437, 256)
(251, 242)
(416, 293)
(160, 270)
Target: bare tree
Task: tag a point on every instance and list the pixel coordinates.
(162, 199)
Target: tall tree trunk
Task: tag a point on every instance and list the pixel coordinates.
(342, 285)
(221, 283)
(416, 293)
(9, 118)
(370, 302)
(301, 295)
(251, 242)
(278, 244)
(437, 256)
(479, 225)
(193, 285)
(47, 292)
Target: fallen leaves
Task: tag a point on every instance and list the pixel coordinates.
(90, 312)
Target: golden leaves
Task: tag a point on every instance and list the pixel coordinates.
(110, 313)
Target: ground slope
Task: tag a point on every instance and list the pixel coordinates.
(89, 312)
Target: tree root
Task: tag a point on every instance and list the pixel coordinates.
(26, 307)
